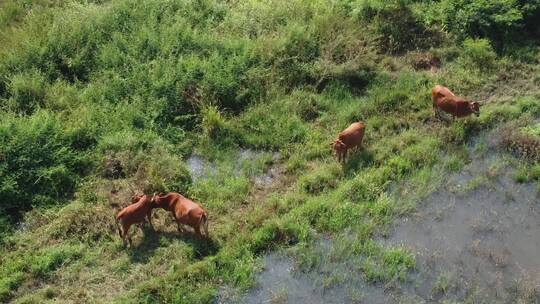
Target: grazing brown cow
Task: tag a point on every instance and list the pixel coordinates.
(348, 139)
(134, 214)
(445, 100)
(184, 211)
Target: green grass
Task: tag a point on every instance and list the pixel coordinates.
(147, 84)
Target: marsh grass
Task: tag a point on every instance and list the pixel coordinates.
(146, 84)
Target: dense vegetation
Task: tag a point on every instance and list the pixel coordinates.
(101, 97)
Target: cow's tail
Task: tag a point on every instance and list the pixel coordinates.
(204, 223)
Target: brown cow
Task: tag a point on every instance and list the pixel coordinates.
(134, 214)
(184, 211)
(348, 139)
(445, 100)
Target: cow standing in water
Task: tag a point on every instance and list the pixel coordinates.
(348, 139)
(445, 100)
(184, 211)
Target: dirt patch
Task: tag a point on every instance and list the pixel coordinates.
(521, 144)
(510, 83)
(424, 61)
(112, 168)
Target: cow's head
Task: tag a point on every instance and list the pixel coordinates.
(474, 106)
(136, 197)
(156, 199)
(338, 145)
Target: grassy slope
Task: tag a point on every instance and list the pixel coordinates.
(110, 80)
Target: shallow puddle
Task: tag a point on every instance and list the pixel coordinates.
(478, 237)
(476, 240)
(199, 167)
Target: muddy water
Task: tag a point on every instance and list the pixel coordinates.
(199, 167)
(476, 240)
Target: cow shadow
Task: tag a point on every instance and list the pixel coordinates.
(152, 240)
(357, 160)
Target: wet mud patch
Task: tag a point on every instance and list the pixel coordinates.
(259, 166)
(334, 276)
(478, 237)
(475, 239)
(199, 167)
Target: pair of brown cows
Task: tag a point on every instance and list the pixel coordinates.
(443, 99)
(184, 211)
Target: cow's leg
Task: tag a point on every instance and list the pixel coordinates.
(438, 114)
(149, 216)
(198, 231)
(345, 155)
(125, 234)
(180, 226)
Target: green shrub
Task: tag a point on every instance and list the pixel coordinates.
(147, 158)
(42, 264)
(212, 122)
(397, 28)
(499, 20)
(274, 233)
(478, 53)
(325, 177)
(27, 92)
(10, 282)
(271, 126)
(38, 165)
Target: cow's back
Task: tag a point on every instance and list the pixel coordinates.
(183, 206)
(439, 92)
(195, 215)
(135, 211)
(353, 135)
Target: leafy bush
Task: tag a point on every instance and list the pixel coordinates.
(478, 53)
(38, 165)
(47, 261)
(397, 28)
(147, 158)
(497, 20)
(325, 177)
(212, 122)
(271, 126)
(27, 92)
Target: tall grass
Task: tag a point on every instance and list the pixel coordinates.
(136, 87)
